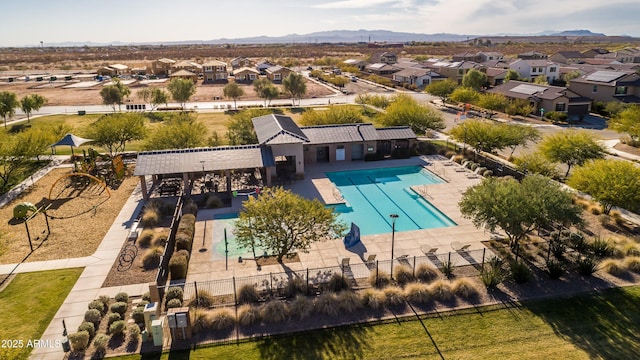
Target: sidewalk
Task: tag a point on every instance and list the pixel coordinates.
(28, 182)
(609, 144)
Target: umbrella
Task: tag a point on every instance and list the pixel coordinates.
(72, 141)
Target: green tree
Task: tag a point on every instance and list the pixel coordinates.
(31, 103)
(571, 75)
(628, 121)
(615, 107)
(144, 94)
(489, 137)
(519, 107)
(404, 110)
(611, 182)
(512, 75)
(464, 95)
(233, 91)
(124, 89)
(571, 147)
(518, 135)
(181, 90)
(158, 96)
(183, 131)
(111, 96)
(8, 105)
(474, 79)
(535, 163)
(240, 129)
(541, 80)
(295, 85)
(114, 131)
(441, 89)
(518, 207)
(282, 222)
(266, 90)
(492, 101)
(18, 148)
(333, 115)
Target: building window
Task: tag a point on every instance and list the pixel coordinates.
(595, 89)
(560, 107)
(621, 90)
(552, 69)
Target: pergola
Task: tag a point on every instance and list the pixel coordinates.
(192, 162)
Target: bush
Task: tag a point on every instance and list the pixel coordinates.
(93, 316)
(348, 301)
(183, 242)
(601, 247)
(587, 266)
(133, 332)
(447, 268)
(144, 240)
(393, 296)
(556, 116)
(187, 225)
(137, 315)
(373, 298)
(465, 288)
(190, 207)
(426, 273)
(487, 173)
(98, 305)
(631, 249)
(113, 317)
(146, 297)
(558, 247)
(613, 266)
(174, 303)
(417, 293)
(248, 315)
(178, 266)
(222, 319)
(301, 307)
(492, 273)
(79, 341)
(88, 327)
(122, 297)
(337, 283)
(100, 343)
(381, 280)
(274, 311)
(203, 300)
(183, 253)
(213, 202)
(295, 286)
(150, 217)
(119, 307)
(441, 290)
(248, 294)
(201, 321)
(160, 238)
(555, 269)
(151, 258)
(174, 292)
(403, 275)
(117, 328)
(327, 304)
(520, 272)
(632, 263)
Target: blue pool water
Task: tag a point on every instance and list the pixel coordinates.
(372, 195)
(225, 223)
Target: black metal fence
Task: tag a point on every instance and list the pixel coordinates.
(163, 268)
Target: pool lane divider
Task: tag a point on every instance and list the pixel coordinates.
(394, 202)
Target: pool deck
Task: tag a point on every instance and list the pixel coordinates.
(444, 196)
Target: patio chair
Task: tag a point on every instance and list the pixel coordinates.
(428, 250)
(370, 259)
(345, 263)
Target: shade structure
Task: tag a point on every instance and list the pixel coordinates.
(72, 140)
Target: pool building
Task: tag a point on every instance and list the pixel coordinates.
(283, 150)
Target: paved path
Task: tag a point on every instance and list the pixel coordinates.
(28, 182)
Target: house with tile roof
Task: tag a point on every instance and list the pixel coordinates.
(608, 85)
(545, 98)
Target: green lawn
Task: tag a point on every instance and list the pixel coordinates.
(594, 326)
(29, 303)
(23, 172)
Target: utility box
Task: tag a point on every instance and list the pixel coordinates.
(150, 312)
(156, 331)
(179, 323)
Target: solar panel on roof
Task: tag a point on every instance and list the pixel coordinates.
(604, 76)
(528, 89)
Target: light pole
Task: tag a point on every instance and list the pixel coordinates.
(393, 238)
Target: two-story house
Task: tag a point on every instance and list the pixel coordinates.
(545, 98)
(416, 76)
(277, 73)
(246, 75)
(567, 57)
(384, 57)
(531, 69)
(608, 85)
(187, 65)
(454, 70)
(262, 66)
(162, 67)
(215, 71)
(240, 62)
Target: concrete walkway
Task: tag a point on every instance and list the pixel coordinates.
(56, 162)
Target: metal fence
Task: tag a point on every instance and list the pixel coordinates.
(163, 268)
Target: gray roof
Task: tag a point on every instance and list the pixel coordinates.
(277, 129)
(524, 90)
(345, 133)
(212, 159)
(395, 133)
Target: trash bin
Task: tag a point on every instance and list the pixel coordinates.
(82, 112)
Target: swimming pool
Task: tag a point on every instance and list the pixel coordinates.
(225, 223)
(372, 195)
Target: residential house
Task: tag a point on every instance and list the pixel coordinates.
(545, 98)
(277, 73)
(262, 66)
(454, 70)
(479, 57)
(567, 57)
(608, 85)
(360, 64)
(381, 69)
(187, 65)
(384, 57)
(531, 69)
(240, 62)
(120, 69)
(532, 55)
(415, 76)
(495, 76)
(162, 67)
(626, 55)
(184, 74)
(591, 53)
(215, 71)
(246, 75)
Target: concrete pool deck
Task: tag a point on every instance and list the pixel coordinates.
(445, 196)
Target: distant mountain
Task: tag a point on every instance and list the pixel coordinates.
(577, 33)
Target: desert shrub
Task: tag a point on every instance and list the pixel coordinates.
(213, 202)
(337, 283)
(274, 311)
(555, 269)
(558, 247)
(144, 240)
(248, 315)
(487, 173)
(105, 300)
(556, 116)
(426, 273)
(612, 266)
(417, 293)
(326, 304)
(447, 268)
(187, 225)
(595, 210)
(184, 253)
(295, 286)
(122, 297)
(100, 343)
(146, 296)
(631, 249)
(117, 328)
(381, 280)
(142, 304)
(93, 316)
(137, 315)
(183, 242)
(248, 294)
(119, 307)
(133, 332)
(203, 300)
(222, 319)
(578, 242)
(465, 288)
(160, 239)
(632, 263)
(151, 258)
(441, 290)
(301, 307)
(174, 292)
(88, 327)
(201, 321)
(587, 266)
(492, 273)
(113, 317)
(79, 341)
(150, 217)
(601, 247)
(178, 266)
(348, 301)
(393, 296)
(160, 206)
(373, 298)
(174, 303)
(98, 305)
(190, 207)
(520, 272)
(403, 274)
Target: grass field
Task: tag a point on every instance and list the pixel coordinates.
(592, 326)
(29, 303)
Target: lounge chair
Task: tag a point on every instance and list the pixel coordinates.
(345, 263)
(370, 259)
(428, 250)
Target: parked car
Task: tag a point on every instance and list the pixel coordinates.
(354, 78)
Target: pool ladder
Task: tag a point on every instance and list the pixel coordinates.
(337, 195)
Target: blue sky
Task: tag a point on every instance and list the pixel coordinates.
(27, 22)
